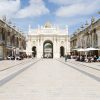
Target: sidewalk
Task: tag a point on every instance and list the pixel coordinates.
(5, 64)
(11, 72)
(92, 64)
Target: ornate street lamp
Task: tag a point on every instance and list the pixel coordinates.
(92, 20)
(99, 12)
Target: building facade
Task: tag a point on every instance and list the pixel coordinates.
(86, 37)
(12, 42)
(48, 41)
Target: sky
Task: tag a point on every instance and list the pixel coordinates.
(73, 13)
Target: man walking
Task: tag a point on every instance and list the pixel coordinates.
(65, 58)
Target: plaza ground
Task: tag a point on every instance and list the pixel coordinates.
(50, 79)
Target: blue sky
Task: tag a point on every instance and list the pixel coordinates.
(73, 13)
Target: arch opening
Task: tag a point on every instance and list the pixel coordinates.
(34, 53)
(48, 49)
(62, 51)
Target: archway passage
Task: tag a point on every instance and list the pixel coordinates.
(34, 51)
(48, 49)
(62, 51)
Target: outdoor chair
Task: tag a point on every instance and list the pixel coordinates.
(98, 59)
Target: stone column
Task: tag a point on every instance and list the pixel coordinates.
(39, 47)
(67, 45)
(56, 51)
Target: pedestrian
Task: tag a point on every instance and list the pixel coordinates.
(65, 58)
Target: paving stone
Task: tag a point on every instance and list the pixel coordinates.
(50, 79)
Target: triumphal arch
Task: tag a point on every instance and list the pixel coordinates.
(48, 41)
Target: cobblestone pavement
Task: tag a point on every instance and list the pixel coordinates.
(49, 79)
(6, 64)
(92, 64)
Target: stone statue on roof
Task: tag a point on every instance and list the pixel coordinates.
(48, 25)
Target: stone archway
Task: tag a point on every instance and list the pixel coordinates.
(48, 49)
(34, 53)
(62, 51)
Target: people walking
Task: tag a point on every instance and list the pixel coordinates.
(65, 58)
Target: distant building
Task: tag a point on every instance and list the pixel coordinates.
(12, 42)
(86, 37)
(48, 41)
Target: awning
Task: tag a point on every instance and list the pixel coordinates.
(91, 49)
(79, 49)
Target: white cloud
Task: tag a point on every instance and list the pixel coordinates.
(65, 2)
(35, 8)
(9, 7)
(72, 8)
